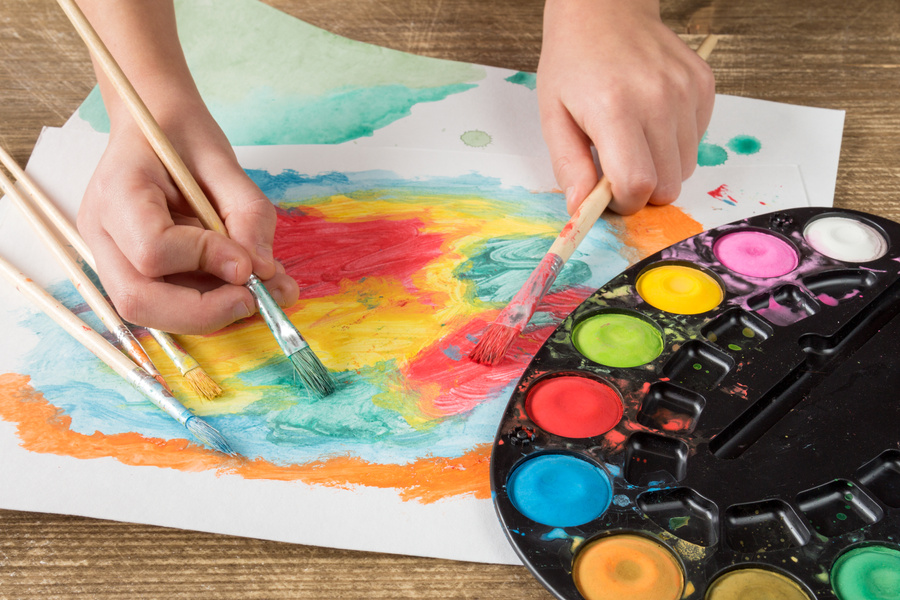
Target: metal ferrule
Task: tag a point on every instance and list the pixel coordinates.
(284, 331)
(181, 359)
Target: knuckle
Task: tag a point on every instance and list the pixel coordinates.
(147, 259)
(129, 305)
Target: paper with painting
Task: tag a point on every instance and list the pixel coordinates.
(403, 257)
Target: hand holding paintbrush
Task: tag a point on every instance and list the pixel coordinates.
(307, 365)
(193, 373)
(117, 361)
(509, 323)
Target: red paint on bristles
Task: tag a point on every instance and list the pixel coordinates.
(513, 319)
(493, 345)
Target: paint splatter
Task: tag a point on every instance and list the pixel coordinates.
(713, 155)
(475, 138)
(529, 80)
(744, 145)
(722, 193)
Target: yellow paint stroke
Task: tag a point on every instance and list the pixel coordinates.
(343, 329)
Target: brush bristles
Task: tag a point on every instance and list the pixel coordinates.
(494, 344)
(208, 435)
(202, 383)
(311, 370)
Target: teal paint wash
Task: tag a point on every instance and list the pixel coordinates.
(529, 80)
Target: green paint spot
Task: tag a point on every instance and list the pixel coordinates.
(734, 347)
(711, 155)
(867, 573)
(697, 366)
(748, 333)
(529, 80)
(712, 336)
(848, 497)
(841, 517)
(475, 138)
(617, 340)
(744, 144)
(678, 522)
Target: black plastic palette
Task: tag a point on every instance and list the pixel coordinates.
(721, 421)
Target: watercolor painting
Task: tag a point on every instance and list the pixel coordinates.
(401, 266)
(426, 208)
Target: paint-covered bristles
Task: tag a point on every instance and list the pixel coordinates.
(312, 372)
(203, 384)
(513, 319)
(494, 344)
(205, 433)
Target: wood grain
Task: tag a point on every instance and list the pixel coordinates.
(842, 54)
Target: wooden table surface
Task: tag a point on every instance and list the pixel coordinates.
(842, 54)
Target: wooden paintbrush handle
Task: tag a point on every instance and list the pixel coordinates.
(179, 172)
(583, 220)
(88, 338)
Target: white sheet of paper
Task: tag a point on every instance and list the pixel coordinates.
(361, 518)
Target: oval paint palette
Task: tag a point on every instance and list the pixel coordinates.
(719, 422)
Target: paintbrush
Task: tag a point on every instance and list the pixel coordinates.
(82, 282)
(306, 364)
(197, 378)
(117, 361)
(500, 334)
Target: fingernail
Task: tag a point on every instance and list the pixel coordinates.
(278, 297)
(230, 270)
(280, 268)
(570, 194)
(241, 311)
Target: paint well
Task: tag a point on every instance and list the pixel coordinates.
(755, 584)
(679, 289)
(559, 490)
(573, 406)
(618, 340)
(756, 254)
(628, 566)
(867, 573)
(849, 240)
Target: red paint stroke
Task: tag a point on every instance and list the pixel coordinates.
(721, 193)
(461, 384)
(320, 254)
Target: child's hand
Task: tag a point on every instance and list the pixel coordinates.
(611, 73)
(159, 267)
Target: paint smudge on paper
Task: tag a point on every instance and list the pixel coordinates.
(475, 138)
(722, 193)
(529, 80)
